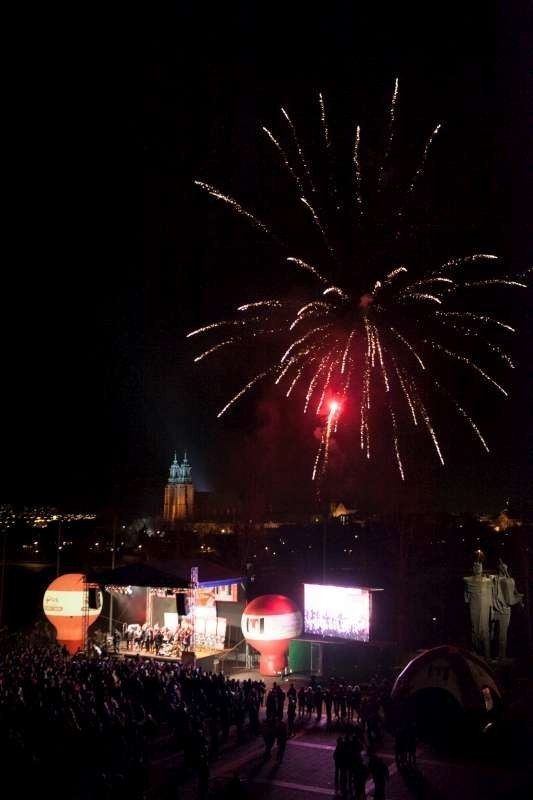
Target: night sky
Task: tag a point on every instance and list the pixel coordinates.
(115, 254)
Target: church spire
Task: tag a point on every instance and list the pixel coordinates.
(180, 473)
(179, 491)
(174, 471)
(185, 470)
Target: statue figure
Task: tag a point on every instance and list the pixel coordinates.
(503, 569)
(490, 598)
(478, 594)
(504, 596)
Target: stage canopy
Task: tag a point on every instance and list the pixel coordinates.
(166, 574)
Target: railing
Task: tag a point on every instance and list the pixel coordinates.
(238, 659)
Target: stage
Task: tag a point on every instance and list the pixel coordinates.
(195, 606)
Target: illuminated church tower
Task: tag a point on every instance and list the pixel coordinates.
(179, 491)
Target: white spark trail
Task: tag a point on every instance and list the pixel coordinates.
(336, 290)
(285, 160)
(303, 317)
(216, 347)
(317, 459)
(392, 118)
(468, 362)
(406, 392)
(333, 414)
(314, 304)
(289, 364)
(214, 325)
(394, 274)
(295, 381)
(329, 149)
(462, 260)
(420, 296)
(259, 303)
(345, 354)
(429, 426)
(465, 415)
(304, 265)
(466, 331)
(318, 224)
(243, 391)
(230, 201)
(324, 121)
(428, 281)
(299, 149)
(409, 347)
(314, 380)
(495, 282)
(396, 443)
(381, 361)
(423, 160)
(357, 168)
(302, 339)
(365, 409)
(326, 384)
(477, 317)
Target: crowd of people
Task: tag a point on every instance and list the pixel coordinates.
(358, 712)
(84, 726)
(344, 703)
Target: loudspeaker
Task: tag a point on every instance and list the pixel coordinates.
(93, 599)
(180, 603)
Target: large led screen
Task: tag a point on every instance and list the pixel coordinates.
(337, 611)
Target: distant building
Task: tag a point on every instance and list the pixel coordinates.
(179, 492)
(204, 512)
(504, 521)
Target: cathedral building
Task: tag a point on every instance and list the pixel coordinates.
(179, 492)
(203, 512)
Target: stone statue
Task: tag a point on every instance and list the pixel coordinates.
(478, 594)
(503, 569)
(504, 596)
(490, 598)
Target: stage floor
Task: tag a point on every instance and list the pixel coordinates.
(200, 653)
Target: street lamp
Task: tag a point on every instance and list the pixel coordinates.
(59, 547)
(113, 551)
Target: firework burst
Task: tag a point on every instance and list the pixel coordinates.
(373, 337)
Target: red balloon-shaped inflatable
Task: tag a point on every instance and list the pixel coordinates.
(269, 623)
(66, 604)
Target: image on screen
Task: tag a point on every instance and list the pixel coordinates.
(337, 611)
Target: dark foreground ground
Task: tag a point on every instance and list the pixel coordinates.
(490, 769)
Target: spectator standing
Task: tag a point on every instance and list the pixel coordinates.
(380, 774)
